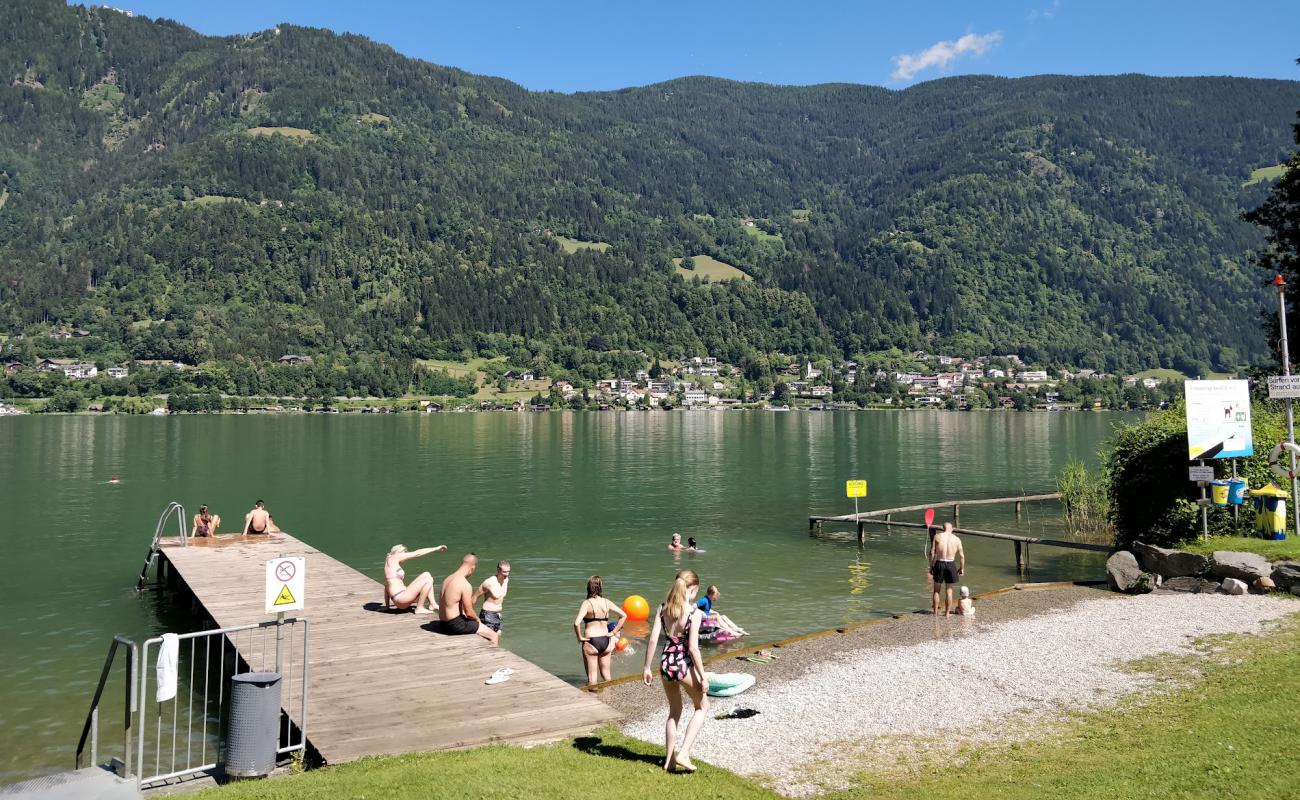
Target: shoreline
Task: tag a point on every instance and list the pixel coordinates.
(797, 652)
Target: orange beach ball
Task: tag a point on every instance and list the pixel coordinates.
(621, 645)
(636, 608)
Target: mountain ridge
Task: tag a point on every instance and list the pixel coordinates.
(1074, 220)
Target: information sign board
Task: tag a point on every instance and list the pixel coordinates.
(855, 488)
(286, 584)
(1200, 474)
(1218, 419)
(1283, 387)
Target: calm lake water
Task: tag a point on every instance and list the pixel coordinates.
(562, 496)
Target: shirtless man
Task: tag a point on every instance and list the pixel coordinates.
(456, 604)
(675, 544)
(258, 521)
(493, 591)
(945, 555)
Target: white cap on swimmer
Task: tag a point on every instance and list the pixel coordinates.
(965, 591)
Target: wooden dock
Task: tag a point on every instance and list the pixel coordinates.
(379, 682)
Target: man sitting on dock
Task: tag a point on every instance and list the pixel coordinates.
(456, 604)
(945, 553)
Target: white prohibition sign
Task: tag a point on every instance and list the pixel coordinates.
(285, 571)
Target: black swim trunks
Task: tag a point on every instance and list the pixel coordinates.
(459, 626)
(944, 572)
(492, 619)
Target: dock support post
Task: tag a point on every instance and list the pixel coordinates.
(1022, 557)
(862, 532)
(889, 518)
(1017, 509)
(956, 516)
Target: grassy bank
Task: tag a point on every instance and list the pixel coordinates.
(1273, 550)
(1226, 728)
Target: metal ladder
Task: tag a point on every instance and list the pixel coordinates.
(172, 508)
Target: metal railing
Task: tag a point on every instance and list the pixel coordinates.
(186, 729)
(91, 727)
(172, 508)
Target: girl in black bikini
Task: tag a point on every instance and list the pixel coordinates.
(680, 665)
(592, 626)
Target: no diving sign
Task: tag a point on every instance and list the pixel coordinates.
(286, 584)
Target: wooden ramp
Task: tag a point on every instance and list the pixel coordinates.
(379, 683)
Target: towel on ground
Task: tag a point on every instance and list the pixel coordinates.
(165, 671)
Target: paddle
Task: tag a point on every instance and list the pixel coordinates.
(929, 517)
(929, 529)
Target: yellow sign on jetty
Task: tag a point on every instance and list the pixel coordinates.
(855, 488)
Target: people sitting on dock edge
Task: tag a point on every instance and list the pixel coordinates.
(456, 604)
(713, 618)
(205, 524)
(945, 552)
(692, 547)
(493, 591)
(596, 638)
(258, 521)
(396, 592)
(966, 606)
(675, 544)
(680, 666)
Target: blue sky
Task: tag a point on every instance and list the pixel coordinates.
(574, 46)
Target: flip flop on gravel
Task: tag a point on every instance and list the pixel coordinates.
(500, 676)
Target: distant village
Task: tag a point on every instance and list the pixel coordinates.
(912, 380)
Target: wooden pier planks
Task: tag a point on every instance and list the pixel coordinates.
(379, 683)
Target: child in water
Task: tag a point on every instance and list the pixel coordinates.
(692, 547)
(966, 606)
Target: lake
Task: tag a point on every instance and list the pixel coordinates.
(561, 495)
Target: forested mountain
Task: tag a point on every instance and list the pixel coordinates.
(202, 198)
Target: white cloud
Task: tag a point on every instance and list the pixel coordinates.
(1045, 13)
(941, 54)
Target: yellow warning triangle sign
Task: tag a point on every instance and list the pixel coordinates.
(285, 597)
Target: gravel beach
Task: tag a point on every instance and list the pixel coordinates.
(1023, 658)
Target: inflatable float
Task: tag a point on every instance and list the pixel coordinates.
(728, 684)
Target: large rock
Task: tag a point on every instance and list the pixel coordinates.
(1286, 575)
(1190, 585)
(1126, 576)
(1233, 586)
(1242, 566)
(1263, 585)
(1170, 563)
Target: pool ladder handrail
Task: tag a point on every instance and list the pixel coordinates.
(172, 508)
(91, 727)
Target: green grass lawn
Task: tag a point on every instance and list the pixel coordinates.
(458, 369)
(574, 245)
(301, 134)
(213, 200)
(758, 233)
(4, 197)
(1265, 174)
(1276, 551)
(709, 268)
(1225, 727)
(374, 119)
(800, 214)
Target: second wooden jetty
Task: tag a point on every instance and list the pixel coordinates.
(380, 684)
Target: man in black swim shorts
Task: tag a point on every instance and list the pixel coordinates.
(456, 604)
(947, 565)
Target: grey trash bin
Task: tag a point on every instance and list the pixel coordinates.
(254, 733)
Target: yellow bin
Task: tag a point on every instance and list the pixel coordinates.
(1219, 492)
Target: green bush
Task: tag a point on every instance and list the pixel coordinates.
(1145, 471)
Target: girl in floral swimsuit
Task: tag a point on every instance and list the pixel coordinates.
(680, 666)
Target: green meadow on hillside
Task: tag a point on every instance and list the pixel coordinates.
(708, 268)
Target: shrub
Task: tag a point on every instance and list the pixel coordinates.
(1145, 472)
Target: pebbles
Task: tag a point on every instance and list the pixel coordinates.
(1031, 667)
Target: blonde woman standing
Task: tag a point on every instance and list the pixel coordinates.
(396, 592)
(680, 665)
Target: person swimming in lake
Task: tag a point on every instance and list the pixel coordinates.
(692, 547)
(595, 635)
(399, 595)
(675, 544)
(680, 666)
(205, 524)
(712, 617)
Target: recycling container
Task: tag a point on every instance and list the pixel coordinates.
(1236, 492)
(1219, 492)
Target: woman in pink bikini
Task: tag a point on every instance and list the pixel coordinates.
(396, 592)
(680, 665)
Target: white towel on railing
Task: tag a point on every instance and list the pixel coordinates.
(165, 671)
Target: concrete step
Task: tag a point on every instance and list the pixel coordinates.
(91, 783)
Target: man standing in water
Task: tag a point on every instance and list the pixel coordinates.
(493, 591)
(456, 604)
(945, 554)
